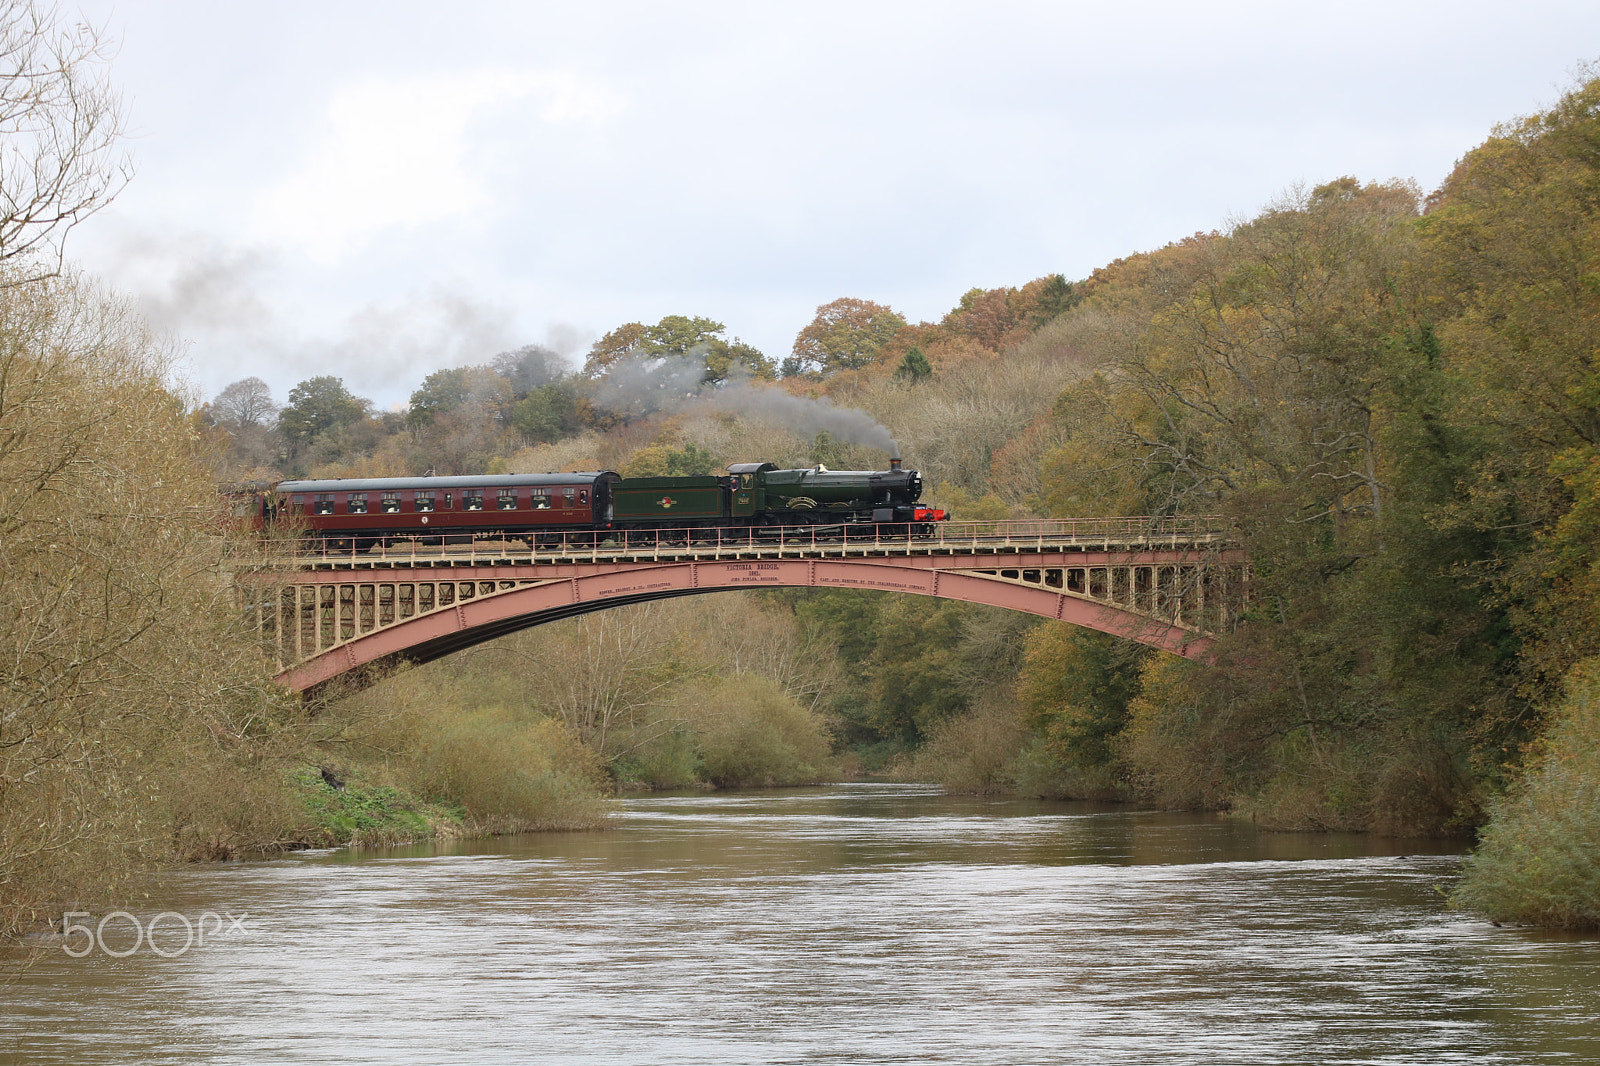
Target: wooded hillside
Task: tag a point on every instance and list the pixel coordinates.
(1393, 396)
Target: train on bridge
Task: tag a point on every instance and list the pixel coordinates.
(557, 509)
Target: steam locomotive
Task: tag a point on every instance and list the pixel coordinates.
(553, 508)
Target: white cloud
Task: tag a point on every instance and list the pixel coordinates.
(397, 153)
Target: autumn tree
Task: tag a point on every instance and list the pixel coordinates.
(1513, 239)
(999, 318)
(846, 334)
(663, 460)
(1291, 383)
(677, 336)
(629, 340)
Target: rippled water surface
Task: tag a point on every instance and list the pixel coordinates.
(856, 923)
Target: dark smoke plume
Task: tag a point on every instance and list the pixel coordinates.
(640, 386)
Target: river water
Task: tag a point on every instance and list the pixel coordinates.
(855, 923)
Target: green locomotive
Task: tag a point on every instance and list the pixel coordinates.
(756, 494)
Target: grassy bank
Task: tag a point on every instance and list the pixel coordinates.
(354, 811)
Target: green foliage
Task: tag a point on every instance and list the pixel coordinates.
(1036, 771)
(1075, 688)
(1514, 237)
(915, 669)
(546, 414)
(967, 507)
(503, 769)
(910, 662)
(671, 760)
(975, 753)
(662, 460)
(649, 461)
(751, 732)
(679, 336)
(1287, 379)
(367, 814)
(1056, 297)
(441, 391)
(914, 367)
(1538, 859)
(316, 406)
(459, 743)
(826, 451)
(850, 616)
(691, 460)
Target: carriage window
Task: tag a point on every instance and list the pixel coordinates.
(424, 501)
(583, 495)
(323, 503)
(391, 503)
(571, 496)
(541, 502)
(471, 501)
(507, 500)
(356, 503)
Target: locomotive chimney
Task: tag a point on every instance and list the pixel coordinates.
(894, 464)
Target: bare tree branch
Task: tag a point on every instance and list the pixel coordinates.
(60, 126)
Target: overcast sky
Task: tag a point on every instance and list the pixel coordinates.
(378, 190)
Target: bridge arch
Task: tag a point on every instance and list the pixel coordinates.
(327, 624)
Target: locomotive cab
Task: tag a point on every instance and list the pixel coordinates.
(747, 488)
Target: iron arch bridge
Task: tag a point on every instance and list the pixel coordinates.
(1169, 583)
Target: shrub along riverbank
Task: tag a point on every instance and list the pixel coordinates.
(1538, 860)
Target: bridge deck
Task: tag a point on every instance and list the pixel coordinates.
(1070, 536)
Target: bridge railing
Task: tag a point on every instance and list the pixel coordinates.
(918, 538)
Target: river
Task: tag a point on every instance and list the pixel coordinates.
(860, 923)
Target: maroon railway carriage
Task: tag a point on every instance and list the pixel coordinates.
(358, 512)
